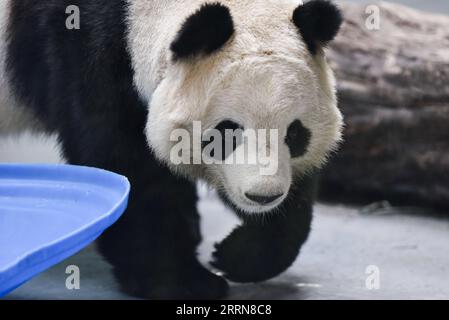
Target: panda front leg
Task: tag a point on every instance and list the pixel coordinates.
(263, 247)
(152, 248)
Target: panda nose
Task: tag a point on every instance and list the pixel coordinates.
(262, 199)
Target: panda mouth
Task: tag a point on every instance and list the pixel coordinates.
(258, 208)
(244, 207)
(263, 200)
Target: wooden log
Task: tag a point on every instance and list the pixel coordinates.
(393, 86)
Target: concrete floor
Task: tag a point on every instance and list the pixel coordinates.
(409, 250)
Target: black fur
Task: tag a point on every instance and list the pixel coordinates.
(298, 139)
(204, 32)
(80, 82)
(318, 21)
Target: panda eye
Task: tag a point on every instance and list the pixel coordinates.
(231, 138)
(297, 139)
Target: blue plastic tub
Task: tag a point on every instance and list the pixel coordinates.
(50, 212)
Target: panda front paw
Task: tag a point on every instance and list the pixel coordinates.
(252, 253)
(193, 284)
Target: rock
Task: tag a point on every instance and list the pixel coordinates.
(393, 86)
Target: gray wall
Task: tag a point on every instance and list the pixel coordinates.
(438, 6)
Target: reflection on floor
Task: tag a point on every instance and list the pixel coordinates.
(347, 247)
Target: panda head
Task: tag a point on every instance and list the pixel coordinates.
(249, 65)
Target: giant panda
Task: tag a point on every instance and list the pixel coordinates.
(115, 89)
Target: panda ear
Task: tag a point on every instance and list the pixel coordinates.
(318, 21)
(204, 32)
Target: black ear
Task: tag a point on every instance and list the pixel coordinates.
(318, 21)
(204, 32)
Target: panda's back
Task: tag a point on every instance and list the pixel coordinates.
(14, 118)
(64, 73)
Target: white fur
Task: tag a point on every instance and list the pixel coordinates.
(13, 117)
(263, 78)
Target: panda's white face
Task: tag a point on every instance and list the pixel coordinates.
(257, 80)
(258, 92)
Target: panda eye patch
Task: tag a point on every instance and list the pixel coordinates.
(227, 125)
(231, 138)
(297, 139)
